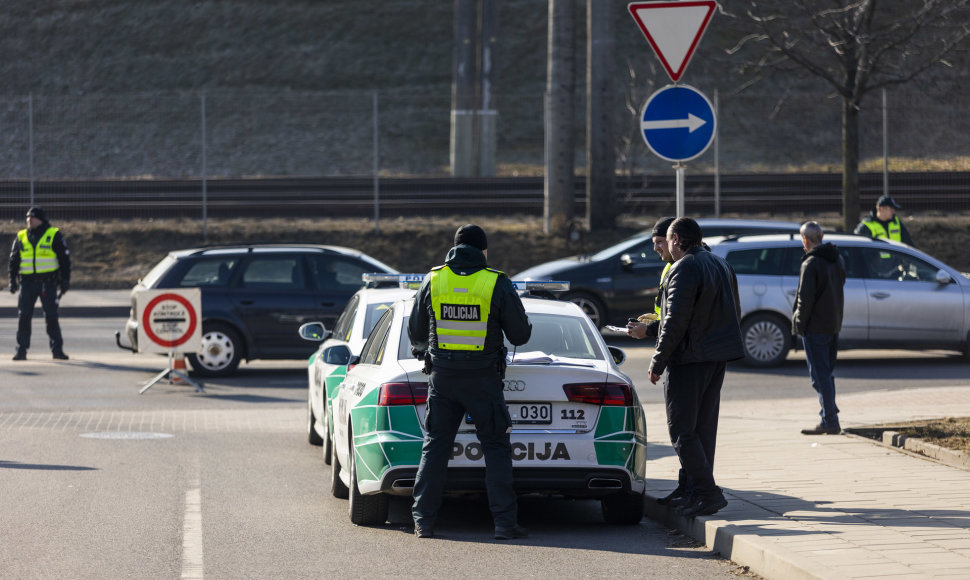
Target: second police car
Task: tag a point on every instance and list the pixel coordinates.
(578, 426)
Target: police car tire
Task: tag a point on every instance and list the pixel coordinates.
(217, 331)
(365, 510)
(766, 339)
(311, 429)
(327, 443)
(337, 487)
(625, 508)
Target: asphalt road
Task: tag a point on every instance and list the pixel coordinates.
(97, 481)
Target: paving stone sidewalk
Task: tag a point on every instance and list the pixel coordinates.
(828, 506)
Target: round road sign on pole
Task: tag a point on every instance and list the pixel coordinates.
(678, 123)
(168, 320)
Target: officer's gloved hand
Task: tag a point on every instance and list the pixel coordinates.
(65, 286)
(418, 354)
(14, 286)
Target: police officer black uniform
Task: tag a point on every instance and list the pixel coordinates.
(39, 263)
(460, 314)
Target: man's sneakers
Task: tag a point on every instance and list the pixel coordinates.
(511, 533)
(676, 498)
(423, 532)
(21, 355)
(822, 430)
(704, 506)
(59, 355)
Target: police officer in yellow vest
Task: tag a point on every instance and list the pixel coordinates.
(39, 263)
(460, 314)
(882, 222)
(641, 328)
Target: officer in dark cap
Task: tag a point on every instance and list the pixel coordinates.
(460, 315)
(40, 263)
(647, 325)
(882, 222)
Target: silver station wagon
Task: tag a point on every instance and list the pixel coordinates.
(896, 297)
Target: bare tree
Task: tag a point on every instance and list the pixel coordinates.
(856, 46)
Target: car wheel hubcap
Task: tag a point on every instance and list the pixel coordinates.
(764, 341)
(217, 351)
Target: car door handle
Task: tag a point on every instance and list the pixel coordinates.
(327, 303)
(247, 302)
(880, 295)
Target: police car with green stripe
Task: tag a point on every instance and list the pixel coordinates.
(578, 427)
(328, 364)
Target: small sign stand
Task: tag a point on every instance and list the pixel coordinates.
(169, 321)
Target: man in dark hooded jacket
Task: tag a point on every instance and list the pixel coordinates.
(460, 315)
(39, 263)
(817, 318)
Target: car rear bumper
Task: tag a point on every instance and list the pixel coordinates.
(567, 481)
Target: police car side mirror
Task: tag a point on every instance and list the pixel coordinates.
(943, 278)
(314, 332)
(618, 354)
(626, 262)
(337, 355)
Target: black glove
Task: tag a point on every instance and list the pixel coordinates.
(14, 285)
(65, 286)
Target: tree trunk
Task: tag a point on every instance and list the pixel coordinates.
(560, 152)
(850, 164)
(600, 152)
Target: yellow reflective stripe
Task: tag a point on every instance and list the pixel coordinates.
(463, 340)
(456, 325)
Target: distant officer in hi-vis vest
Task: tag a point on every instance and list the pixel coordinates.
(882, 222)
(39, 263)
(460, 315)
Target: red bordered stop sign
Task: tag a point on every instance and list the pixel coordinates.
(158, 313)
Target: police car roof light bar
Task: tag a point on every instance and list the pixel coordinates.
(413, 280)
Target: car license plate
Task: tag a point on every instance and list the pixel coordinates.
(527, 413)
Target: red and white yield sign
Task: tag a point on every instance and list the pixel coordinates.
(168, 320)
(673, 29)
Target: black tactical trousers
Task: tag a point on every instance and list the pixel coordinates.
(45, 288)
(450, 394)
(693, 396)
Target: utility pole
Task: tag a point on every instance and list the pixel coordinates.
(559, 141)
(463, 93)
(600, 152)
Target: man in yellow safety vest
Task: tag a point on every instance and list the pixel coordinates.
(40, 263)
(460, 315)
(882, 222)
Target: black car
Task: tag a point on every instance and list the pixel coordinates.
(621, 281)
(255, 297)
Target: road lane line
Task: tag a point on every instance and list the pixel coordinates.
(192, 568)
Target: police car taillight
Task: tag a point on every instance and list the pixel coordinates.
(402, 394)
(611, 394)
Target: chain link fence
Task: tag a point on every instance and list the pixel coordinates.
(71, 151)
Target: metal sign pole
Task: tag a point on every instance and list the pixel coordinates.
(681, 176)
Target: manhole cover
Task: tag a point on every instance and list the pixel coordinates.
(126, 435)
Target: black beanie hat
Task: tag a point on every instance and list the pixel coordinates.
(660, 228)
(471, 235)
(38, 213)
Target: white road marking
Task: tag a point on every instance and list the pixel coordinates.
(192, 567)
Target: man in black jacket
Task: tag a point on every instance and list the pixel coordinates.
(817, 318)
(39, 263)
(699, 333)
(460, 315)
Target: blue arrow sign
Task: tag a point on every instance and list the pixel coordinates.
(678, 123)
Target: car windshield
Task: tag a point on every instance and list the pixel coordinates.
(562, 336)
(160, 268)
(617, 248)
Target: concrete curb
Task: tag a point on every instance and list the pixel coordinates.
(917, 445)
(74, 312)
(742, 544)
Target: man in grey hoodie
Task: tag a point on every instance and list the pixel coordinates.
(817, 318)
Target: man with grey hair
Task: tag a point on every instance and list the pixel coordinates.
(817, 318)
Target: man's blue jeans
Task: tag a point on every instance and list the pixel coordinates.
(820, 353)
